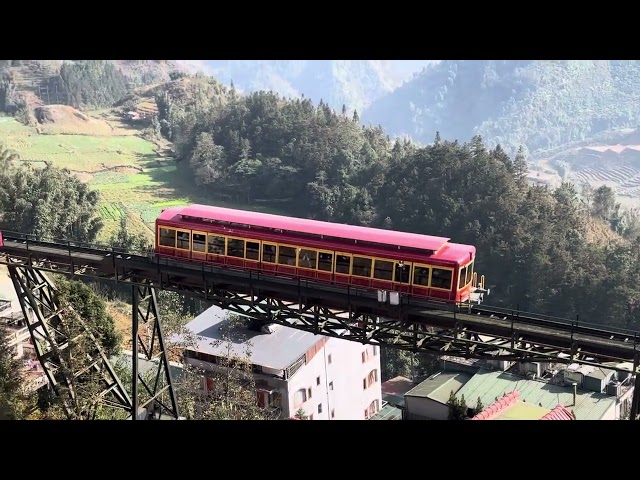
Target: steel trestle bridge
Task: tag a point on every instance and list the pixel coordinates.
(350, 313)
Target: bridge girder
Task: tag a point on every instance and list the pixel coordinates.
(54, 329)
(450, 336)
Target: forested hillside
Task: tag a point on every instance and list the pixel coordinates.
(535, 245)
(539, 104)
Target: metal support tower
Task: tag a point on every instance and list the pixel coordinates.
(54, 330)
(160, 396)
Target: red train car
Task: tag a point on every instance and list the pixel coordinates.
(420, 265)
(1, 241)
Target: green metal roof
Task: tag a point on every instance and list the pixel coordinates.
(439, 386)
(488, 385)
(388, 412)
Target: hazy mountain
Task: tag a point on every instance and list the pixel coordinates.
(542, 104)
(355, 83)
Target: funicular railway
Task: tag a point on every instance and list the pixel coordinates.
(233, 261)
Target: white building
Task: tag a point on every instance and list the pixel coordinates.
(329, 378)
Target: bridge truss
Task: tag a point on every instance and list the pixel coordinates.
(55, 329)
(347, 313)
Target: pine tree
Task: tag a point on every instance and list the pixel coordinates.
(463, 408)
(479, 407)
(454, 407)
(520, 167)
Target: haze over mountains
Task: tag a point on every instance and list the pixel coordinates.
(354, 83)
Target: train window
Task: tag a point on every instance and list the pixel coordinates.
(167, 237)
(307, 258)
(402, 272)
(216, 245)
(343, 264)
(268, 253)
(362, 266)
(421, 276)
(462, 277)
(383, 270)
(287, 256)
(235, 248)
(469, 272)
(253, 251)
(325, 262)
(441, 278)
(199, 240)
(183, 240)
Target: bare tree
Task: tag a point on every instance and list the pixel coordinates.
(230, 388)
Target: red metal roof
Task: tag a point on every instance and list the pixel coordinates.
(302, 225)
(559, 413)
(496, 407)
(397, 386)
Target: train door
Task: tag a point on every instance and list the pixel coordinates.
(199, 245)
(442, 283)
(236, 251)
(216, 248)
(421, 278)
(402, 277)
(287, 259)
(325, 265)
(183, 243)
(342, 269)
(307, 262)
(269, 256)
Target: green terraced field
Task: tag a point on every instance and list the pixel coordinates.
(133, 181)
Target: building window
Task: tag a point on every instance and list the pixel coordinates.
(309, 392)
(364, 356)
(333, 414)
(373, 408)
(329, 359)
(364, 383)
(372, 377)
(319, 408)
(375, 351)
(300, 397)
(330, 385)
(318, 381)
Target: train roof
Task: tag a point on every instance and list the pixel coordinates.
(314, 227)
(455, 252)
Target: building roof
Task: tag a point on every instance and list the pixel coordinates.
(522, 411)
(275, 350)
(393, 390)
(397, 386)
(498, 407)
(559, 413)
(509, 407)
(144, 365)
(303, 225)
(600, 373)
(388, 412)
(438, 387)
(489, 385)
